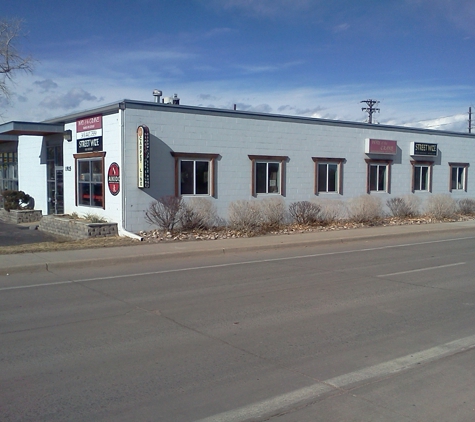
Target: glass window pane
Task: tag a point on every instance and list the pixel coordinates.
(84, 194)
(417, 178)
(381, 178)
(332, 177)
(373, 177)
(83, 170)
(424, 178)
(273, 169)
(322, 178)
(186, 178)
(202, 175)
(460, 178)
(50, 153)
(97, 195)
(261, 177)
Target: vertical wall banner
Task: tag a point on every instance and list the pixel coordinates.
(113, 179)
(143, 156)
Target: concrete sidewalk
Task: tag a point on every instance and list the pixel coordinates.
(43, 261)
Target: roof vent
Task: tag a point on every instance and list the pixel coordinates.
(157, 94)
(176, 100)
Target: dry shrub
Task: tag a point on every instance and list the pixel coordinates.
(273, 212)
(441, 206)
(305, 212)
(245, 215)
(404, 207)
(332, 210)
(365, 209)
(198, 214)
(466, 206)
(166, 212)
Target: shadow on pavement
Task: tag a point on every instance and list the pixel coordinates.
(12, 235)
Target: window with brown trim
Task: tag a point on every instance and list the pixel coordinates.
(421, 176)
(267, 174)
(328, 175)
(378, 176)
(458, 176)
(90, 179)
(195, 173)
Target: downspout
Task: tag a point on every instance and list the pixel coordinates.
(122, 230)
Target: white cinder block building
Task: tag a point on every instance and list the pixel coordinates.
(115, 160)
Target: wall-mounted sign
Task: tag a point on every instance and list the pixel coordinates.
(419, 148)
(143, 156)
(380, 146)
(89, 144)
(113, 179)
(89, 134)
(89, 123)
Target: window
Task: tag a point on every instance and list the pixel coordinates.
(328, 175)
(267, 174)
(458, 176)
(195, 174)
(421, 176)
(378, 176)
(90, 179)
(8, 171)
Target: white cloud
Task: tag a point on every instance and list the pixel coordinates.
(71, 100)
(341, 28)
(460, 12)
(267, 8)
(46, 85)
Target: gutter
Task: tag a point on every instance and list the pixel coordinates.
(122, 230)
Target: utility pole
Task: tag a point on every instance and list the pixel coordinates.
(370, 109)
(470, 120)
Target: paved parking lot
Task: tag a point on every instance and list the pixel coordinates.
(12, 234)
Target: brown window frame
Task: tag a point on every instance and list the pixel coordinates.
(281, 159)
(89, 156)
(387, 163)
(430, 165)
(465, 176)
(327, 160)
(198, 156)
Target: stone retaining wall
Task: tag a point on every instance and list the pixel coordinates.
(20, 216)
(76, 229)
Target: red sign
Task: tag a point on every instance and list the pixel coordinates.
(381, 146)
(113, 179)
(89, 123)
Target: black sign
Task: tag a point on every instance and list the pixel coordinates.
(90, 144)
(424, 149)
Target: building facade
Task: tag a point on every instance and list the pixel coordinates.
(115, 160)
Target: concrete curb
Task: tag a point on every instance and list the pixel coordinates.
(50, 261)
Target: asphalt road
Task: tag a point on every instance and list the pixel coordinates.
(361, 331)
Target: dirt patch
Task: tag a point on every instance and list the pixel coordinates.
(61, 245)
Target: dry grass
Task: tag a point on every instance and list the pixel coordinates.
(63, 245)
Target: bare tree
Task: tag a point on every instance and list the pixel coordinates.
(11, 59)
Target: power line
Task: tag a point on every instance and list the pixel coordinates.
(370, 109)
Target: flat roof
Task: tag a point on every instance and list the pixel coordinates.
(30, 128)
(151, 105)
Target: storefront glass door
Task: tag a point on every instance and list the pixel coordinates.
(54, 158)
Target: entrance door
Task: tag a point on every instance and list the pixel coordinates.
(54, 158)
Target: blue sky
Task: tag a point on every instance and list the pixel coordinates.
(315, 58)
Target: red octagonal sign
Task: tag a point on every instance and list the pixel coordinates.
(113, 178)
